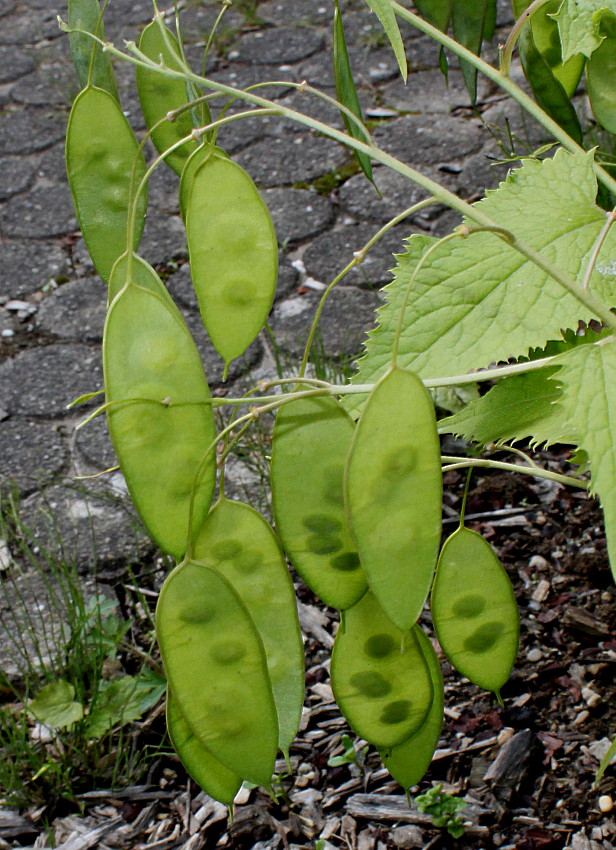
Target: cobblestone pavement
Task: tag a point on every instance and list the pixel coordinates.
(52, 304)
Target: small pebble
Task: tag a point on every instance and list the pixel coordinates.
(534, 655)
(590, 697)
(606, 804)
(581, 718)
(504, 735)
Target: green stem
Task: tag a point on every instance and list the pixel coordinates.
(611, 217)
(358, 258)
(537, 472)
(594, 305)
(467, 485)
(506, 52)
(514, 91)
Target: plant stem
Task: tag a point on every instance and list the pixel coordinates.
(358, 258)
(507, 51)
(611, 217)
(514, 91)
(536, 471)
(594, 305)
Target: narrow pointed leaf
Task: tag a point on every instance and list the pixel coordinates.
(346, 91)
(468, 21)
(385, 13)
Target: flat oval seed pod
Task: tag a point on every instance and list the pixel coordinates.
(601, 76)
(474, 610)
(311, 438)
(159, 95)
(211, 776)
(148, 353)
(393, 494)
(193, 163)
(379, 675)
(216, 668)
(236, 540)
(101, 154)
(86, 15)
(408, 761)
(233, 254)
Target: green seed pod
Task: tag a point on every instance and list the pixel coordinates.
(233, 254)
(311, 439)
(102, 158)
(236, 540)
(148, 354)
(474, 610)
(379, 675)
(408, 761)
(211, 776)
(601, 76)
(217, 672)
(192, 165)
(394, 493)
(160, 95)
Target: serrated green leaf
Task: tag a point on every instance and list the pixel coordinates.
(346, 91)
(579, 25)
(385, 13)
(477, 300)
(55, 706)
(588, 377)
(520, 407)
(123, 700)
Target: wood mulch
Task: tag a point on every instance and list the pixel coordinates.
(526, 770)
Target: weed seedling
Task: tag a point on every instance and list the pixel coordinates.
(443, 808)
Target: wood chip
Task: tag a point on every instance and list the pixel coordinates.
(312, 621)
(582, 621)
(388, 808)
(91, 838)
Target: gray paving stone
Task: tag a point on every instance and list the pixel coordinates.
(441, 138)
(16, 175)
(480, 172)
(19, 29)
(298, 214)
(445, 223)
(41, 381)
(55, 86)
(14, 64)
(75, 311)
(33, 453)
(94, 446)
(279, 46)
(52, 165)
(197, 20)
(347, 317)
(291, 159)
(164, 239)
(296, 11)
(6, 6)
(87, 526)
(43, 212)
(288, 277)
(428, 92)
(237, 135)
(26, 266)
(359, 197)
(30, 130)
(313, 106)
(327, 255)
(243, 76)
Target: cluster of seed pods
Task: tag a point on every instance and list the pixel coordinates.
(357, 506)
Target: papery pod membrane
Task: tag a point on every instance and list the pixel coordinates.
(103, 162)
(160, 95)
(311, 440)
(474, 610)
(393, 493)
(217, 670)
(379, 675)
(236, 540)
(160, 417)
(86, 15)
(407, 762)
(233, 254)
(210, 775)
